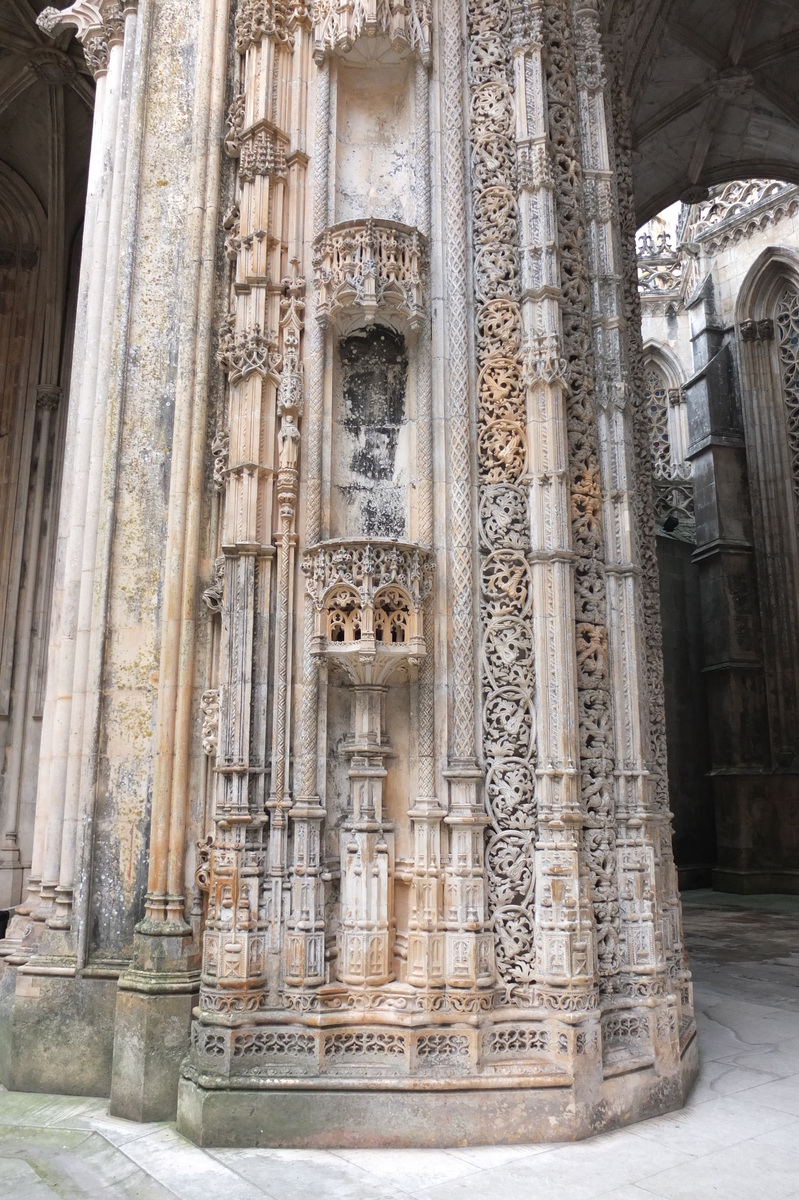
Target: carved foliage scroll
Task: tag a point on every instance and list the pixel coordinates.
(593, 691)
(506, 654)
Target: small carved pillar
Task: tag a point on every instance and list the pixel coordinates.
(304, 958)
(259, 350)
(469, 949)
(426, 950)
(305, 932)
(367, 851)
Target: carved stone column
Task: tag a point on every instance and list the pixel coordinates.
(652, 959)
(475, 948)
(159, 988)
(55, 981)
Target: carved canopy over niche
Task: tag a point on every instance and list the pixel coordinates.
(366, 269)
(338, 24)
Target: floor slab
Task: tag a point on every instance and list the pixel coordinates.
(737, 1138)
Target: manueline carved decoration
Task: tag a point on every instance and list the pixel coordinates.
(213, 595)
(506, 654)
(787, 322)
(242, 351)
(220, 450)
(593, 693)
(649, 899)
(261, 150)
(309, 969)
(209, 706)
(368, 267)
(367, 566)
(258, 19)
(406, 24)
(672, 487)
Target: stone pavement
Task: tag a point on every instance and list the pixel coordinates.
(738, 1138)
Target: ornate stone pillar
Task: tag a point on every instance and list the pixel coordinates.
(652, 961)
(478, 949)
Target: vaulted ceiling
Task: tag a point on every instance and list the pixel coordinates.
(715, 92)
(46, 103)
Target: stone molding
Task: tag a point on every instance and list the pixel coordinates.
(406, 23)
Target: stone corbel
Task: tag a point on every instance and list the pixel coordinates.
(370, 270)
(757, 331)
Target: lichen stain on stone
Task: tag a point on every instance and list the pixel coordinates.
(374, 369)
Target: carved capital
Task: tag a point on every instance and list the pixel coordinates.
(83, 16)
(98, 24)
(48, 396)
(757, 331)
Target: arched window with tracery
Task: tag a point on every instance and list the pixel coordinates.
(673, 490)
(768, 346)
(657, 402)
(787, 319)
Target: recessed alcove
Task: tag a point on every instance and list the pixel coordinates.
(370, 461)
(375, 123)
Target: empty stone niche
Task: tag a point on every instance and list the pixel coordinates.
(374, 135)
(370, 463)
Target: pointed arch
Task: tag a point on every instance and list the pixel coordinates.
(22, 229)
(664, 377)
(768, 347)
(664, 357)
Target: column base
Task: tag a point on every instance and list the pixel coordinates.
(411, 1113)
(56, 1033)
(151, 1037)
(153, 1019)
(11, 878)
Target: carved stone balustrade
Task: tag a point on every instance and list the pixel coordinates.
(369, 269)
(368, 597)
(338, 24)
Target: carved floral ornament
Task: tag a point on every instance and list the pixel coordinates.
(338, 24)
(363, 269)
